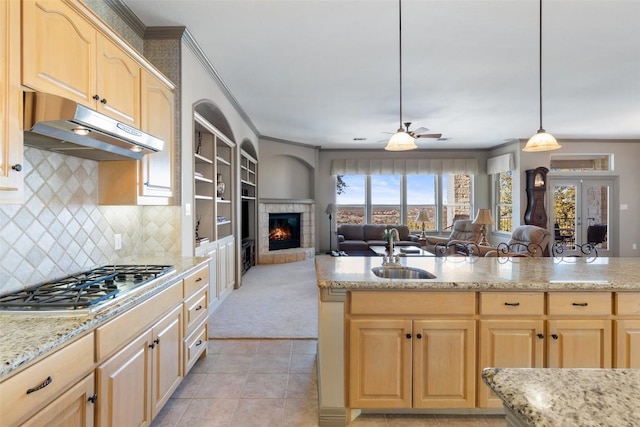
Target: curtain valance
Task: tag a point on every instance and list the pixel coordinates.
(404, 167)
(498, 164)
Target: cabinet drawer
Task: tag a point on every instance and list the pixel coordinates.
(579, 303)
(511, 303)
(121, 330)
(194, 345)
(413, 303)
(196, 308)
(195, 280)
(628, 303)
(40, 383)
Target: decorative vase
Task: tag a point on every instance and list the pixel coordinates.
(219, 186)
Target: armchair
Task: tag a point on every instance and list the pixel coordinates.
(463, 232)
(526, 241)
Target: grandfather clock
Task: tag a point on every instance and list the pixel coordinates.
(536, 213)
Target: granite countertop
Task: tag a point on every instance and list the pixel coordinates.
(25, 337)
(569, 397)
(479, 273)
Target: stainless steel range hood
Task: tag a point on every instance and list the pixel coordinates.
(58, 124)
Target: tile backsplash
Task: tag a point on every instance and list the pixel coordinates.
(61, 229)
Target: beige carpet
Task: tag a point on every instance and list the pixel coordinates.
(275, 301)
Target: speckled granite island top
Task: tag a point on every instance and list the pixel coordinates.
(568, 397)
(25, 337)
(473, 273)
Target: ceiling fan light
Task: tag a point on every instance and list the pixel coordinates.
(401, 141)
(541, 141)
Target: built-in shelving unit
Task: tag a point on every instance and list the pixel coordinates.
(213, 165)
(248, 183)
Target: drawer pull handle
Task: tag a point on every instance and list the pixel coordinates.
(512, 304)
(45, 383)
(408, 336)
(93, 398)
(198, 343)
(199, 308)
(554, 336)
(541, 336)
(199, 279)
(581, 304)
(419, 336)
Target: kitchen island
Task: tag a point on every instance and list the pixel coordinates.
(419, 346)
(562, 397)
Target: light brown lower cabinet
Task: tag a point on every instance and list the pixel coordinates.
(508, 343)
(627, 344)
(584, 343)
(75, 408)
(134, 384)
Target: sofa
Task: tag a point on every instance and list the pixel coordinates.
(357, 238)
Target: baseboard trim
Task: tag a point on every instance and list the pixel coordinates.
(332, 417)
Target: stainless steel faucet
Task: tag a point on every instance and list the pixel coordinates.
(391, 260)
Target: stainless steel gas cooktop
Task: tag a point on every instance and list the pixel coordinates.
(82, 291)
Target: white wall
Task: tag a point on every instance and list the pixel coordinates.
(198, 85)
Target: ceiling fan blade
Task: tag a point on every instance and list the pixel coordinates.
(429, 135)
(421, 130)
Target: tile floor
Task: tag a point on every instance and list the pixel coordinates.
(262, 383)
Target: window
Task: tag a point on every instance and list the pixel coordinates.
(385, 199)
(350, 199)
(397, 199)
(503, 202)
(421, 193)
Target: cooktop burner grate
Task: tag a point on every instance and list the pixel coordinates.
(83, 290)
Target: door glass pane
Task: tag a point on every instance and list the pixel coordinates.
(385, 199)
(564, 209)
(597, 208)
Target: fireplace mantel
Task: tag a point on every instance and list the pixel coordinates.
(306, 208)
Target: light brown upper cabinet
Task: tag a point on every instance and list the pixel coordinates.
(64, 54)
(11, 167)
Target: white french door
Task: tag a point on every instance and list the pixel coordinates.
(581, 213)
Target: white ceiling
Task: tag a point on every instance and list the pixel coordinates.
(323, 72)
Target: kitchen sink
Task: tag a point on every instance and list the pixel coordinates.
(401, 273)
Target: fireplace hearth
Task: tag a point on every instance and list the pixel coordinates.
(284, 231)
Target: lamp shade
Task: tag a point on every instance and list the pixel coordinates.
(541, 141)
(401, 141)
(331, 208)
(483, 217)
(422, 216)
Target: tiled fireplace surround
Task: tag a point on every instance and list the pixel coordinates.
(307, 230)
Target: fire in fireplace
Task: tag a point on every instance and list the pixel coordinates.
(284, 231)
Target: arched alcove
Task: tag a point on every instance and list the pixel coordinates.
(286, 177)
(210, 111)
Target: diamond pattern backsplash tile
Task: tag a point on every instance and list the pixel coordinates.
(61, 229)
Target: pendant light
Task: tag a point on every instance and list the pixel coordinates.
(541, 141)
(401, 140)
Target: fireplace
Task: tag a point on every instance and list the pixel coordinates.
(284, 231)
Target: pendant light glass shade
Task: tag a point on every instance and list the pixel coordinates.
(401, 141)
(541, 141)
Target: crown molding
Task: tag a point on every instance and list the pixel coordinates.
(127, 15)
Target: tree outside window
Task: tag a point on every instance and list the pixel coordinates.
(504, 201)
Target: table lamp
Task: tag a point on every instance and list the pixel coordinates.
(422, 217)
(484, 218)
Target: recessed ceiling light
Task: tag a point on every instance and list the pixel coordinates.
(359, 139)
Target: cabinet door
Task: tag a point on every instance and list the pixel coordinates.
(222, 269)
(231, 265)
(11, 163)
(579, 344)
(628, 344)
(167, 358)
(118, 83)
(157, 119)
(444, 364)
(379, 363)
(124, 384)
(58, 51)
(508, 344)
(75, 408)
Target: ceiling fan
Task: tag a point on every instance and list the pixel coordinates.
(421, 132)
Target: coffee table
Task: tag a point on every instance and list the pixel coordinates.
(397, 250)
